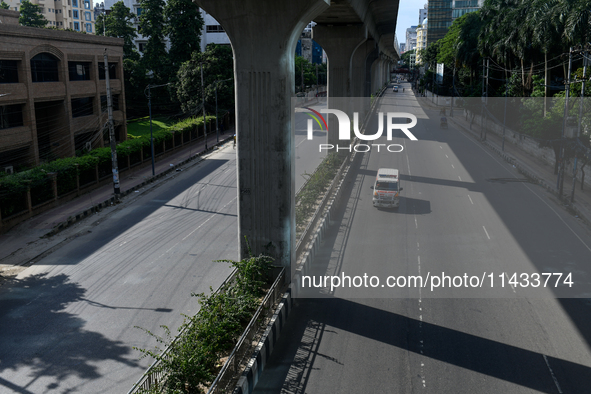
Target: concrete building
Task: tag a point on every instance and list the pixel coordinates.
(213, 32)
(439, 19)
(423, 14)
(64, 14)
(411, 38)
(402, 47)
(53, 92)
(421, 40)
(461, 7)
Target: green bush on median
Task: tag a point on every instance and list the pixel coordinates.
(192, 360)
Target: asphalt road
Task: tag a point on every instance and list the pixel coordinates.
(463, 210)
(69, 323)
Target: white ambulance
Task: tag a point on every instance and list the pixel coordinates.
(386, 189)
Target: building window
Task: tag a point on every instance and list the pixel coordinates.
(8, 71)
(139, 11)
(11, 116)
(115, 99)
(87, 16)
(75, 3)
(82, 107)
(75, 13)
(87, 5)
(79, 71)
(214, 29)
(112, 70)
(141, 46)
(76, 26)
(44, 68)
(89, 27)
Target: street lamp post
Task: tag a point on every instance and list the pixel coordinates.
(217, 130)
(203, 105)
(149, 95)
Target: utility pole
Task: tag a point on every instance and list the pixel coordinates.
(203, 104)
(112, 140)
(482, 103)
(453, 88)
(151, 135)
(505, 114)
(581, 102)
(562, 142)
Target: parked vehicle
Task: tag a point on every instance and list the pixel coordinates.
(395, 89)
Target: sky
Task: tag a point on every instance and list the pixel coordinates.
(408, 15)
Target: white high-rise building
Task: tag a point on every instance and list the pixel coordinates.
(423, 14)
(411, 38)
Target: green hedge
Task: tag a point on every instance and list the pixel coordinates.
(13, 187)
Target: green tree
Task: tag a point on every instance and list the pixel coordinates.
(152, 26)
(4, 6)
(309, 72)
(218, 65)
(183, 27)
(119, 23)
(31, 15)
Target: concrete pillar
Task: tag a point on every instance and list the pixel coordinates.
(339, 42)
(359, 73)
(264, 35)
(369, 76)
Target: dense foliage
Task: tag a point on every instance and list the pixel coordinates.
(192, 360)
(31, 15)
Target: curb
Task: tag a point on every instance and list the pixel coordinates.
(112, 200)
(264, 349)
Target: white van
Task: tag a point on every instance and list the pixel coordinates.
(386, 189)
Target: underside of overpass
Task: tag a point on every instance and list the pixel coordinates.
(359, 39)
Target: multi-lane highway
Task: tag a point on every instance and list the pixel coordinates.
(463, 210)
(68, 324)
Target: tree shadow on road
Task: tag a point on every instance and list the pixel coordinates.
(42, 344)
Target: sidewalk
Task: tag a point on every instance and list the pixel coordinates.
(49, 223)
(532, 167)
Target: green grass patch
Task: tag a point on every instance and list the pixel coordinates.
(141, 127)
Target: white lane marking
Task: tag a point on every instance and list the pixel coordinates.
(416, 224)
(486, 232)
(452, 166)
(561, 219)
(470, 198)
(305, 139)
(552, 374)
(460, 178)
(446, 155)
(528, 188)
(188, 235)
(440, 147)
(509, 281)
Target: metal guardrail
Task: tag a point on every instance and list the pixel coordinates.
(230, 372)
(153, 378)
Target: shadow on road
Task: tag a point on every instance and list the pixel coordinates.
(49, 341)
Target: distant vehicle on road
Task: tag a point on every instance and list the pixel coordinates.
(386, 189)
(395, 89)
